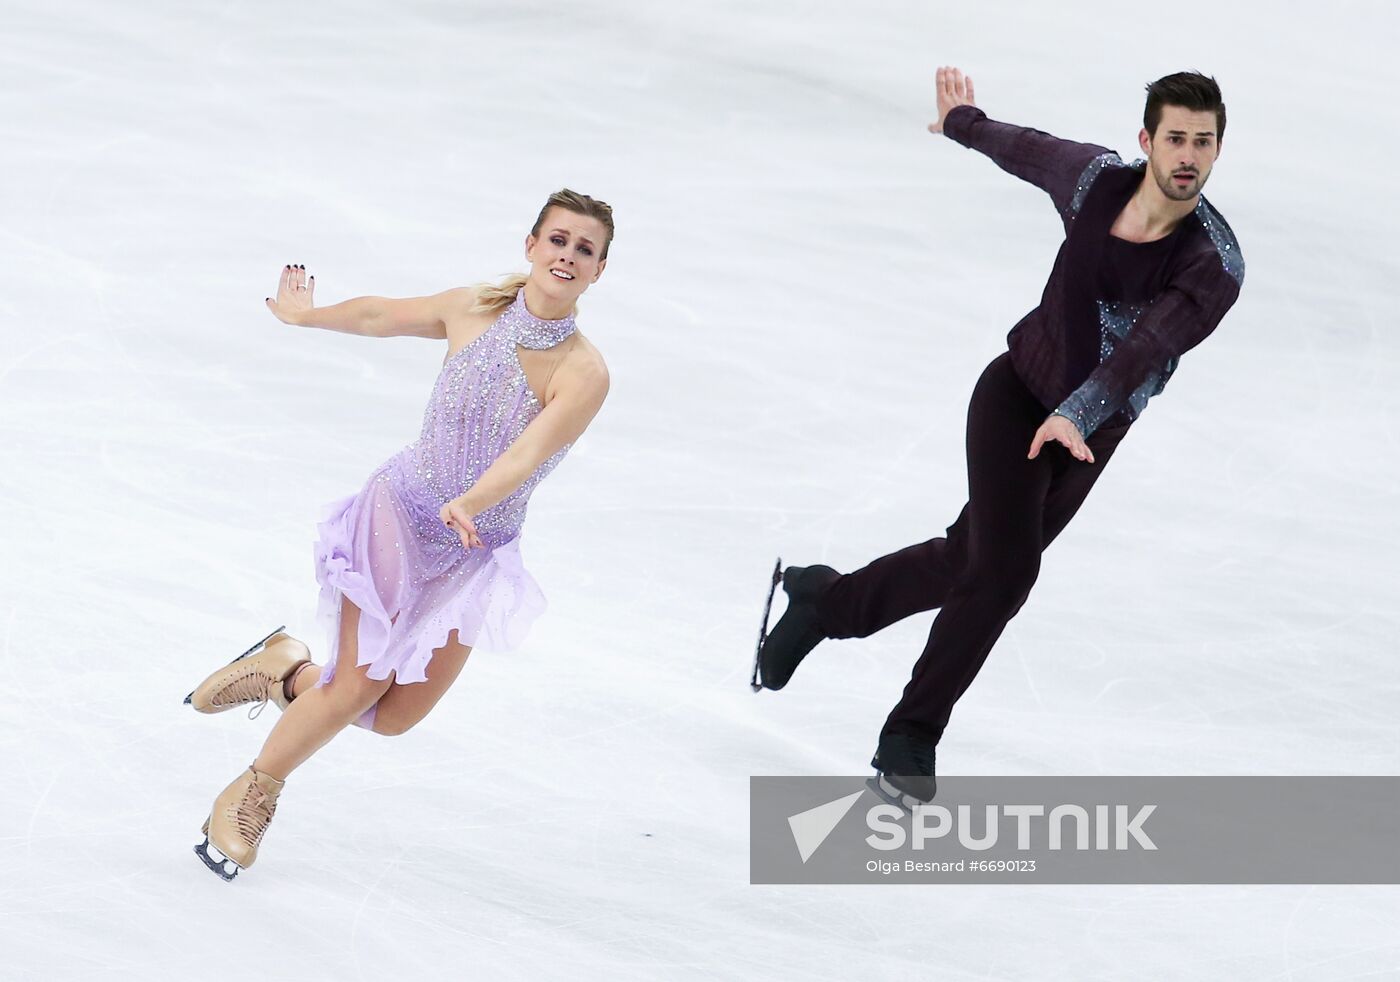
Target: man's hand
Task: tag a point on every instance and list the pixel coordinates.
(954, 89)
(1062, 430)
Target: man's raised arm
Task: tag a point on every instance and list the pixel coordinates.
(1055, 166)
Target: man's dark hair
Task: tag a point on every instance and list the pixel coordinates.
(1189, 90)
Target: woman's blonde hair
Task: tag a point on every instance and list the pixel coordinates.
(493, 297)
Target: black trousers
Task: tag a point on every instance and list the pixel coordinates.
(982, 570)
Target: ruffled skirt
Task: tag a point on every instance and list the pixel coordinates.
(414, 582)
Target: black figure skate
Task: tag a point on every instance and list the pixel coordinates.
(797, 631)
(904, 771)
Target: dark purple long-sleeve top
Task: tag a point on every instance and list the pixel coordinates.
(1115, 316)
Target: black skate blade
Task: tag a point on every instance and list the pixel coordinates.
(220, 868)
(891, 795)
(777, 578)
(279, 627)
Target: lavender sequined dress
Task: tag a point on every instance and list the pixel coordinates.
(386, 547)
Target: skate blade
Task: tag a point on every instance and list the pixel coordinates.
(252, 650)
(222, 865)
(891, 795)
(777, 578)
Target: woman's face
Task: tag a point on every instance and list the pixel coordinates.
(564, 257)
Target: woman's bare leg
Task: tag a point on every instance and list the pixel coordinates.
(403, 706)
(317, 715)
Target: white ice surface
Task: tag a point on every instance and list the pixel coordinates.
(804, 287)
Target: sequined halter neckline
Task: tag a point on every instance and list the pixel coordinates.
(530, 331)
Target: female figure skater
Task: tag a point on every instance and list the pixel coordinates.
(423, 563)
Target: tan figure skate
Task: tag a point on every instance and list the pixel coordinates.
(256, 676)
(235, 826)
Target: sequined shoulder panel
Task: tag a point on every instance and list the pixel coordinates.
(1088, 176)
(1223, 238)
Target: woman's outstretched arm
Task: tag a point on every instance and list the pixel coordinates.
(580, 389)
(374, 317)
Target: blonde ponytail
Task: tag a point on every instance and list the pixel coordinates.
(492, 298)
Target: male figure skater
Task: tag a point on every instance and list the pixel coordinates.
(1146, 271)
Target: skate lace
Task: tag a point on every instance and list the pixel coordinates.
(253, 687)
(255, 814)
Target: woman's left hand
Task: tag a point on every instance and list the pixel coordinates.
(455, 516)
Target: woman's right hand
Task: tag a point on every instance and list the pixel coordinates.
(294, 295)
